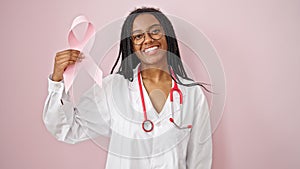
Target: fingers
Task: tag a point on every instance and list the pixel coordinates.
(68, 51)
(64, 63)
(63, 59)
(68, 55)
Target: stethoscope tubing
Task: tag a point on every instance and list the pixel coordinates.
(147, 122)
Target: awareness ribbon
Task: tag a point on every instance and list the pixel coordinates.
(87, 63)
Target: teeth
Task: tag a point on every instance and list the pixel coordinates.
(151, 49)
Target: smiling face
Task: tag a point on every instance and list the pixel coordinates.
(149, 41)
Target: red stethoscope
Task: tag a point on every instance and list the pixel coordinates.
(147, 124)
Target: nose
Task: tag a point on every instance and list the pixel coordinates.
(148, 38)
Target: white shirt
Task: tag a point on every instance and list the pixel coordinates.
(112, 117)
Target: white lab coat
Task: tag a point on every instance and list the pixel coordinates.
(112, 116)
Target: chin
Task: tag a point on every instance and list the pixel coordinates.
(154, 61)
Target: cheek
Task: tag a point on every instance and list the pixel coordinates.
(137, 52)
(136, 48)
(164, 44)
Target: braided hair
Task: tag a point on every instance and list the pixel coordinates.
(129, 58)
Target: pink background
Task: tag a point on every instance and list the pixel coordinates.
(258, 42)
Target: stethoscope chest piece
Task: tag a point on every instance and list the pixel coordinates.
(147, 126)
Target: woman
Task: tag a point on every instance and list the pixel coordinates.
(145, 122)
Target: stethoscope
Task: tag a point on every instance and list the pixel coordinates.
(147, 124)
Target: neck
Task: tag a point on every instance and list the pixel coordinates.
(155, 74)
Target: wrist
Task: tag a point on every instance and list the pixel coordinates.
(56, 78)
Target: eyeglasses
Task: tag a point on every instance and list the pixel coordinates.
(155, 32)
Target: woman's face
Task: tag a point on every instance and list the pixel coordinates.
(149, 41)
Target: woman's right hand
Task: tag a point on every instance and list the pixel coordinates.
(62, 60)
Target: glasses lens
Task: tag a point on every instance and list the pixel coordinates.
(156, 32)
(137, 38)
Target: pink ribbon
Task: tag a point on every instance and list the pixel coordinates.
(88, 62)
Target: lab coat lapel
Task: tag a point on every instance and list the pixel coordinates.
(136, 97)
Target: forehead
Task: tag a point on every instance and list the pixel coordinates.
(144, 21)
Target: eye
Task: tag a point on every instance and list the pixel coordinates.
(138, 36)
(155, 31)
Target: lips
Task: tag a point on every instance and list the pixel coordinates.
(151, 50)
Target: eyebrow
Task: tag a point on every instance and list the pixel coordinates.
(157, 24)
